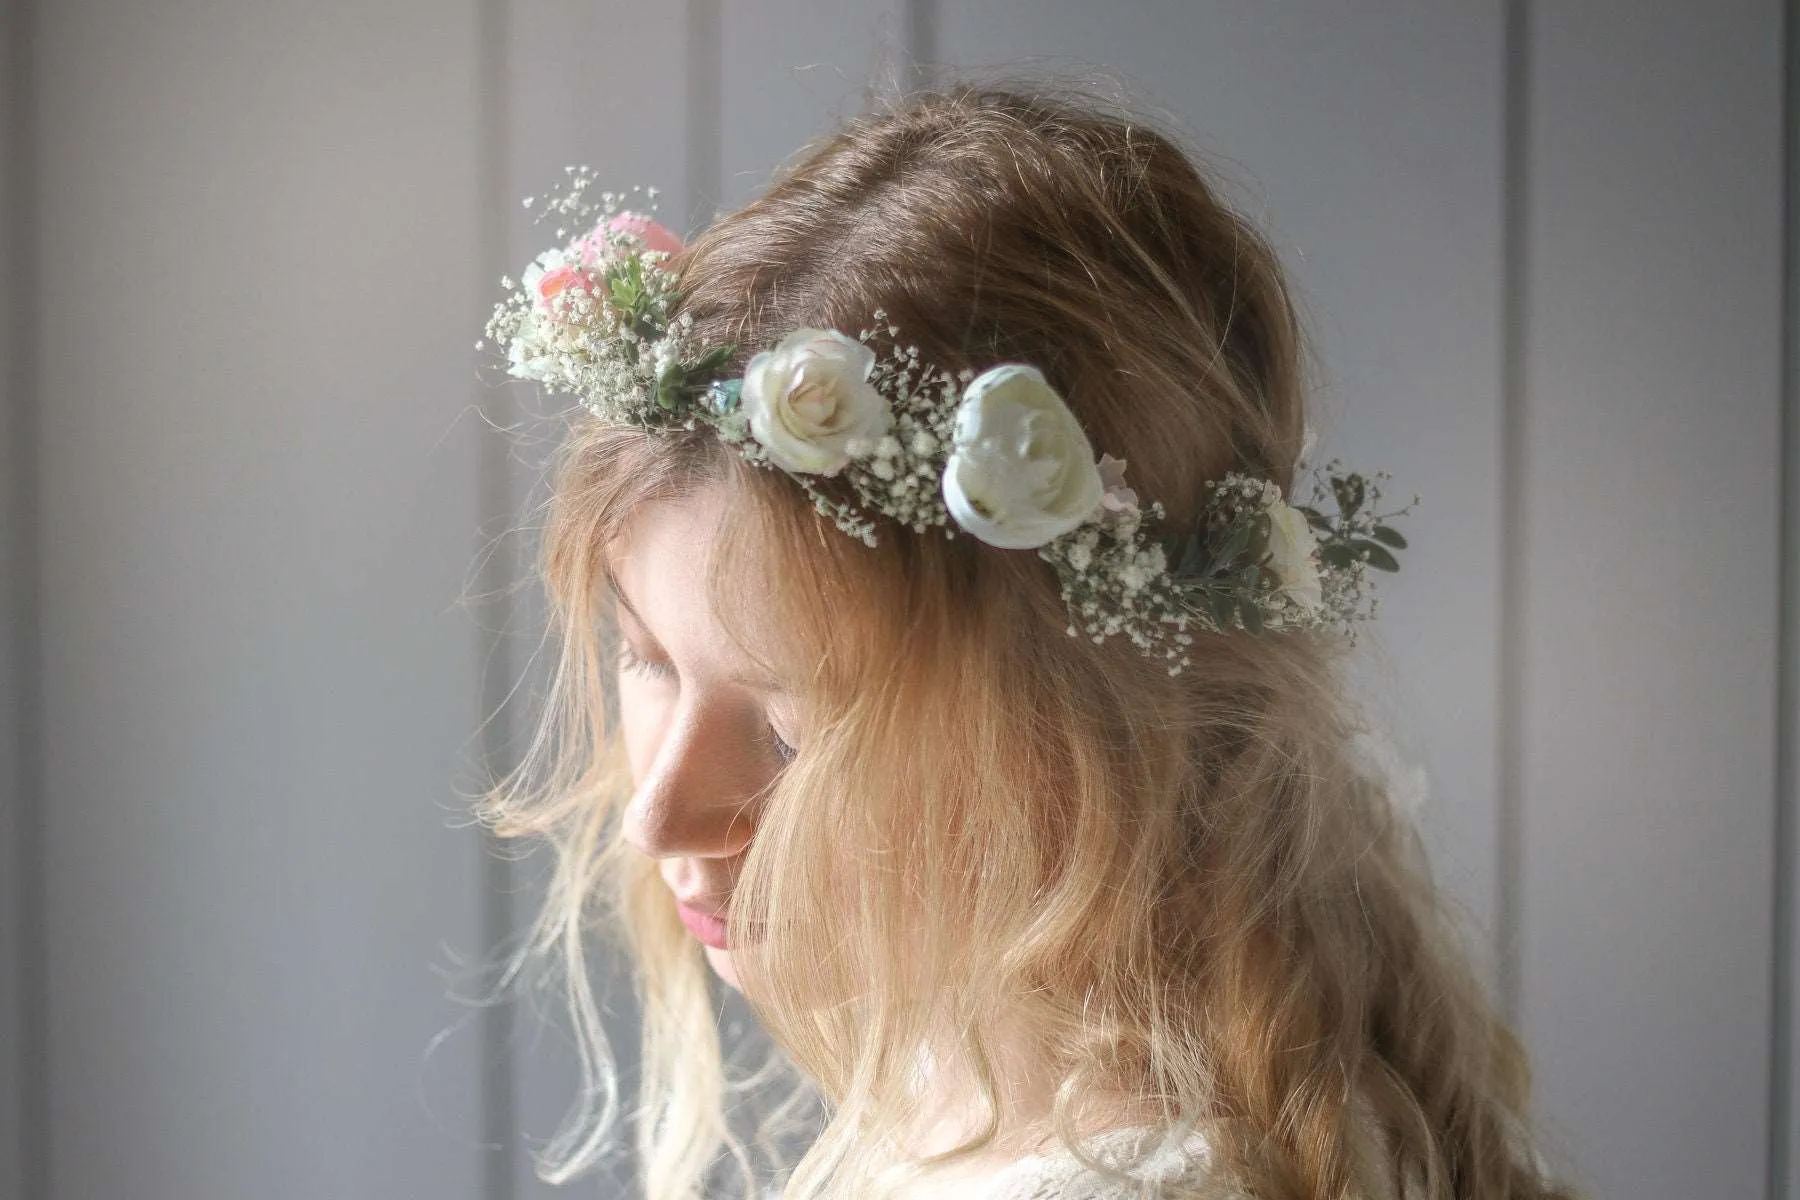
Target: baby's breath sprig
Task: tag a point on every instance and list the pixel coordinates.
(593, 319)
(1354, 538)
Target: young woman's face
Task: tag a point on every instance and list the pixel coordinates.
(703, 729)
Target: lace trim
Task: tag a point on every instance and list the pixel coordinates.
(1058, 1175)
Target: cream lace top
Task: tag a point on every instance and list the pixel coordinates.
(1057, 1174)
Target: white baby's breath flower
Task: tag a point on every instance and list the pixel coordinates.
(810, 403)
(1292, 553)
(1021, 471)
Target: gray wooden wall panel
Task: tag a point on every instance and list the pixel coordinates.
(1367, 139)
(610, 85)
(1652, 469)
(258, 504)
(1784, 1111)
(790, 69)
(262, 500)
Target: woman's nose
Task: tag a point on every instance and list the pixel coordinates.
(699, 795)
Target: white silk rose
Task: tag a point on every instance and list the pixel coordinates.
(810, 403)
(1021, 471)
(1292, 548)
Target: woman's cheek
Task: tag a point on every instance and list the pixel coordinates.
(643, 715)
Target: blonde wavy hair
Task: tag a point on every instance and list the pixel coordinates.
(1182, 890)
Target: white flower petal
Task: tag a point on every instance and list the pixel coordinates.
(1022, 471)
(810, 404)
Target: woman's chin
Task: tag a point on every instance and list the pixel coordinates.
(722, 965)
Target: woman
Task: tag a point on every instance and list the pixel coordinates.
(1033, 914)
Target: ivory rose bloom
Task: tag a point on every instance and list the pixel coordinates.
(1021, 471)
(810, 403)
(1291, 552)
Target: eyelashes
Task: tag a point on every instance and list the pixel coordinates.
(650, 669)
(629, 661)
(783, 751)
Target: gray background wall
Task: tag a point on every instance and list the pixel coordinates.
(256, 614)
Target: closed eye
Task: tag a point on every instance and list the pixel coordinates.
(783, 751)
(630, 661)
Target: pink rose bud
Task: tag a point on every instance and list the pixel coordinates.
(558, 280)
(653, 235)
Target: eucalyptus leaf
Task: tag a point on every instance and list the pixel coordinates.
(1315, 518)
(1337, 554)
(1193, 558)
(1379, 558)
(1223, 608)
(1235, 544)
(1389, 537)
(713, 359)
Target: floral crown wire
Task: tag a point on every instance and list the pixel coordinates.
(997, 454)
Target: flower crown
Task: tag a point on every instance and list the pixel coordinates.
(996, 453)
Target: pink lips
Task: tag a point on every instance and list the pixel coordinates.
(704, 926)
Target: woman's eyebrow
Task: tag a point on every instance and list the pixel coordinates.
(612, 585)
(757, 680)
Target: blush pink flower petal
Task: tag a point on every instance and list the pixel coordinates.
(653, 235)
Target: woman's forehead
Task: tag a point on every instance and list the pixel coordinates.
(657, 572)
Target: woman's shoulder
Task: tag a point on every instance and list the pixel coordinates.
(1168, 1164)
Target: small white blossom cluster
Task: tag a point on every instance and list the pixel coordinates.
(1254, 562)
(1352, 540)
(1115, 580)
(591, 319)
(996, 454)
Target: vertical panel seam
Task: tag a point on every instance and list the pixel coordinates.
(26, 601)
(496, 1073)
(33, 969)
(1780, 1185)
(921, 41)
(1510, 815)
(706, 111)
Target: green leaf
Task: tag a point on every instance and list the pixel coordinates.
(1252, 616)
(1192, 560)
(1235, 543)
(1388, 537)
(715, 358)
(1336, 554)
(1379, 558)
(1223, 608)
(1315, 518)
